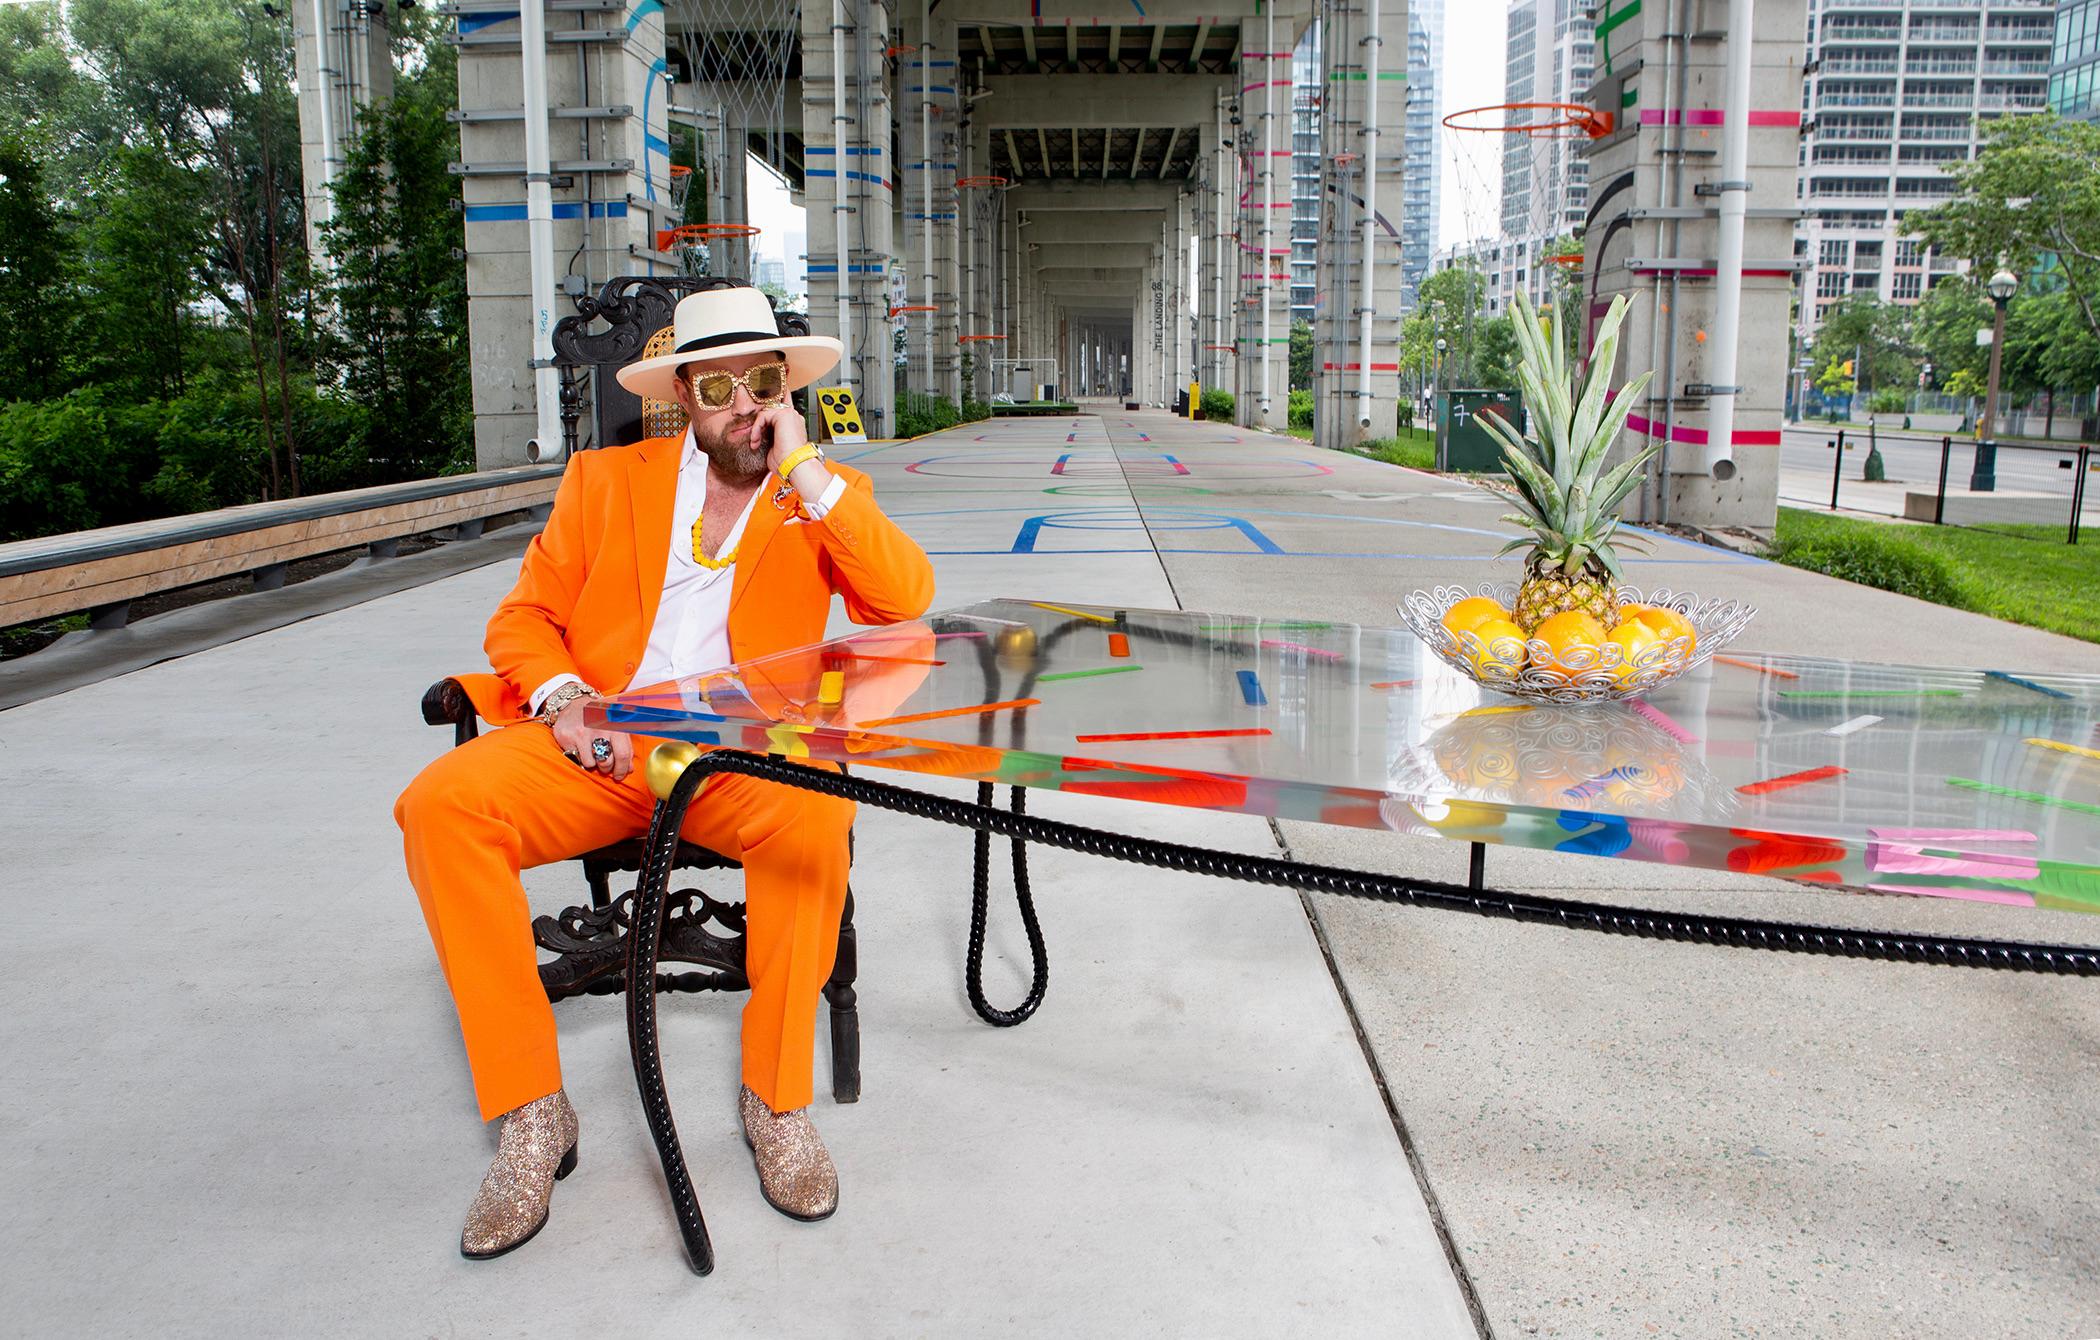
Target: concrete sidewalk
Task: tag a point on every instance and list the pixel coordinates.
(241, 1106)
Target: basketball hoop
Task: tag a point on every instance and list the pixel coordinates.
(681, 182)
(696, 242)
(1222, 348)
(899, 311)
(1560, 120)
(1572, 258)
(970, 339)
(981, 183)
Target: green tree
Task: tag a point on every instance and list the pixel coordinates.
(1495, 351)
(1301, 355)
(1448, 306)
(398, 346)
(142, 243)
(1945, 325)
(35, 292)
(2032, 191)
(1874, 334)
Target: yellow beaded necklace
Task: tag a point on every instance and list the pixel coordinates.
(725, 559)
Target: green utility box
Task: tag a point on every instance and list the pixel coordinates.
(1461, 442)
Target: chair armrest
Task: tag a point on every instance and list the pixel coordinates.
(445, 703)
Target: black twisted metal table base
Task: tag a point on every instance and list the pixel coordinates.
(644, 940)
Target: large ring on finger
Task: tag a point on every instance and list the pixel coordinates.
(601, 749)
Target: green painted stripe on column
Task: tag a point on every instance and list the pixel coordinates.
(1617, 17)
(1630, 97)
(1611, 21)
(1395, 76)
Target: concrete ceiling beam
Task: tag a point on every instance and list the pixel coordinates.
(1100, 101)
(1112, 196)
(1130, 256)
(1113, 229)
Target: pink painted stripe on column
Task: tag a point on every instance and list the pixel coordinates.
(1743, 437)
(1712, 116)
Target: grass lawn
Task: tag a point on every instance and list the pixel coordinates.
(1414, 447)
(2025, 574)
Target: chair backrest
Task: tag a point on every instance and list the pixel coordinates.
(636, 314)
(661, 418)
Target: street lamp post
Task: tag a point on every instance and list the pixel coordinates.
(1436, 401)
(1983, 476)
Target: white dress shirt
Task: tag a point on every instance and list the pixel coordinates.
(691, 632)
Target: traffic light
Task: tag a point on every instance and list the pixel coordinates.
(1846, 367)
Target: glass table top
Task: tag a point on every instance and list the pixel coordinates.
(1970, 784)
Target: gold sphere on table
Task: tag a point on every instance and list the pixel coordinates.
(666, 764)
(1016, 648)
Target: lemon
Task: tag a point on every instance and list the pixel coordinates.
(1669, 625)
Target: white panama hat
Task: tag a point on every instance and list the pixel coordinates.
(725, 323)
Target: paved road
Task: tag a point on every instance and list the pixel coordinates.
(1915, 460)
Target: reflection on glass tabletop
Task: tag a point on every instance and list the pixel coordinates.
(1975, 784)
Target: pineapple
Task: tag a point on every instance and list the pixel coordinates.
(1565, 498)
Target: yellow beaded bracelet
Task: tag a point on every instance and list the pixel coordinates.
(808, 451)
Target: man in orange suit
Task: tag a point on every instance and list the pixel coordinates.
(660, 560)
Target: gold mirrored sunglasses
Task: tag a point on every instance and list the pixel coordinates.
(766, 384)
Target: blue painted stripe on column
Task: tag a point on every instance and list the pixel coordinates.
(850, 269)
(474, 23)
(643, 11)
(600, 209)
(864, 150)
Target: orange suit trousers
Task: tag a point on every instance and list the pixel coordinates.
(510, 799)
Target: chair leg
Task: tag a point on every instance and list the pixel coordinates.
(845, 1015)
(600, 880)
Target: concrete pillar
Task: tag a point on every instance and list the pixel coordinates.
(929, 127)
(1363, 124)
(358, 70)
(862, 129)
(1653, 236)
(1265, 233)
(725, 140)
(608, 103)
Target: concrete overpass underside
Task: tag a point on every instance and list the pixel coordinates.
(1112, 192)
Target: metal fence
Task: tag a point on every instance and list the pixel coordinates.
(1952, 481)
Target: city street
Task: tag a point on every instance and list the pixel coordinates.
(1913, 461)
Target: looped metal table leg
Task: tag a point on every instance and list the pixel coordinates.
(980, 897)
(644, 941)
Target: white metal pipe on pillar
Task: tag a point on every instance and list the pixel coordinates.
(841, 212)
(1268, 193)
(539, 227)
(1367, 292)
(1719, 456)
(325, 83)
(926, 185)
(1224, 321)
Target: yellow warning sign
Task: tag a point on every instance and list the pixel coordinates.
(842, 421)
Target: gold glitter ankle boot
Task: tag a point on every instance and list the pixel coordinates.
(794, 1171)
(536, 1148)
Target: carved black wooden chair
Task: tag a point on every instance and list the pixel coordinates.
(588, 943)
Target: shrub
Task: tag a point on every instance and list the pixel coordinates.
(1217, 405)
(1882, 557)
(973, 410)
(1301, 412)
(919, 414)
(1888, 400)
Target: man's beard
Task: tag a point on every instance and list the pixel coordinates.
(733, 463)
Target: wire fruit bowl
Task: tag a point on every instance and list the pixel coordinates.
(1579, 675)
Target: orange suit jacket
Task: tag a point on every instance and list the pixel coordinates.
(588, 589)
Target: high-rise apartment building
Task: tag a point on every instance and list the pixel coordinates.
(1545, 177)
(1305, 170)
(1413, 208)
(1896, 90)
(1421, 188)
(2074, 69)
